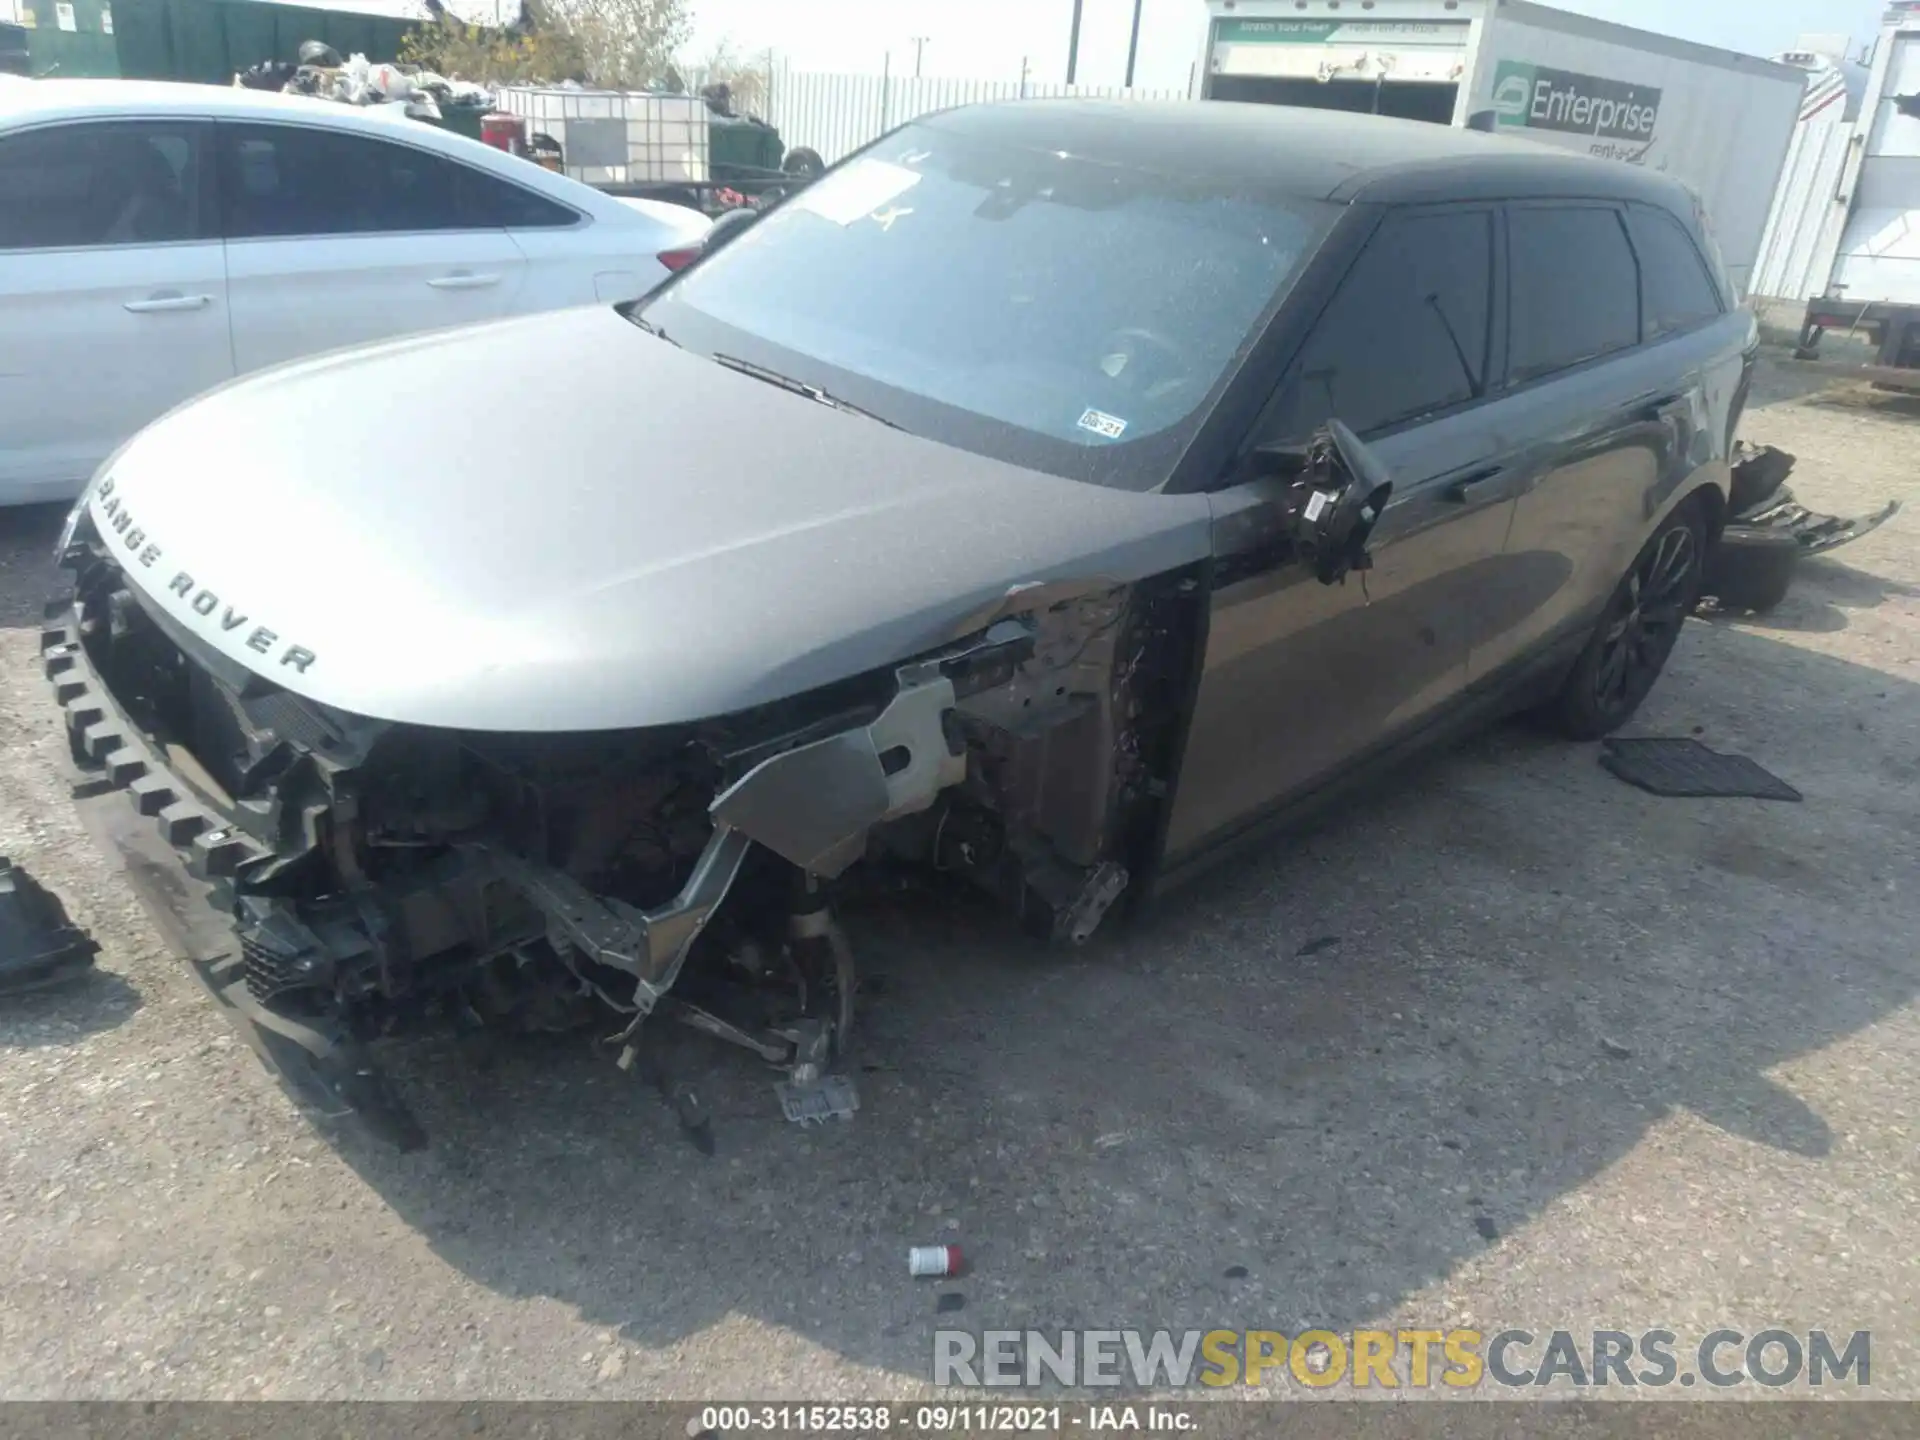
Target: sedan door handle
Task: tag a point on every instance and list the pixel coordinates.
(463, 280)
(165, 302)
(1655, 407)
(1476, 485)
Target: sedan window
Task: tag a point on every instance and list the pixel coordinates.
(77, 185)
(304, 180)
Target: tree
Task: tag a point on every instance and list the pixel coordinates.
(610, 44)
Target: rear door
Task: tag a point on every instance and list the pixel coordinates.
(1598, 422)
(338, 238)
(113, 295)
(1299, 678)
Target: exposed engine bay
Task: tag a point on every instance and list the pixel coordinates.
(381, 877)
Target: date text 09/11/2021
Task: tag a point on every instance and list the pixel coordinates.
(725, 1420)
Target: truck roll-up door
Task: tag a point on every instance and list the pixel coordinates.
(1405, 68)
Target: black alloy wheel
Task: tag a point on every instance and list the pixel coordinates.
(1630, 646)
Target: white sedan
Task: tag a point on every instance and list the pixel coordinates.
(158, 239)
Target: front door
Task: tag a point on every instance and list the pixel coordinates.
(113, 293)
(338, 239)
(1300, 678)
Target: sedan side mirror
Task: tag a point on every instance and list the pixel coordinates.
(726, 226)
(1337, 491)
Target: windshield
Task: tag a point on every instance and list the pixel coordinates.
(1070, 316)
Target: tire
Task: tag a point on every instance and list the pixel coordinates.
(1635, 635)
(803, 161)
(1751, 569)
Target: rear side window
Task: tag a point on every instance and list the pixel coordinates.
(1678, 287)
(295, 180)
(490, 202)
(94, 184)
(1404, 336)
(1574, 288)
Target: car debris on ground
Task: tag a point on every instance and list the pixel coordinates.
(39, 946)
(1768, 532)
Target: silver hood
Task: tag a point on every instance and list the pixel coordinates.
(563, 523)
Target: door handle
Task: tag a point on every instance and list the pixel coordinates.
(463, 280)
(1482, 484)
(1655, 407)
(164, 302)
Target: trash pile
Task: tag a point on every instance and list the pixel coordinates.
(321, 72)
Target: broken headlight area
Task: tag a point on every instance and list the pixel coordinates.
(381, 877)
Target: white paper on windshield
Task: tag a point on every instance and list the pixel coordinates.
(856, 191)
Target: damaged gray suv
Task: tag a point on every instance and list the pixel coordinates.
(1051, 496)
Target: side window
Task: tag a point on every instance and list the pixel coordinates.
(489, 202)
(296, 180)
(1574, 288)
(1404, 336)
(1678, 287)
(100, 184)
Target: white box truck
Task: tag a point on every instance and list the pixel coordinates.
(1717, 120)
(1869, 252)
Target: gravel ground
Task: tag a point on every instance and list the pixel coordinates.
(1510, 1044)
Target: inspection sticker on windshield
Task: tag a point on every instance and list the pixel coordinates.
(856, 191)
(1101, 423)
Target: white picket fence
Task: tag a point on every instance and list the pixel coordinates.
(837, 114)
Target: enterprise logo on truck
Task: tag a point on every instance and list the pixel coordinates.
(1574, 104)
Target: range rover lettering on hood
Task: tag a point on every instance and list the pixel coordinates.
(116, 524)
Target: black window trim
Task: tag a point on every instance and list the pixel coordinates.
(1655, 214)
(208, 214)
(1496, 363)
(243, 122)
(1511, 386)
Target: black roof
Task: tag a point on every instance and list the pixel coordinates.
(1325, 154)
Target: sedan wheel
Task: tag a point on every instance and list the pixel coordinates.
(1630, 645)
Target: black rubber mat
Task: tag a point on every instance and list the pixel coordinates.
(1688, 768)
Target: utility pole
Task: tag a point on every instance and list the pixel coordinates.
(1073, 42)
(919, 45)
(1133, 43)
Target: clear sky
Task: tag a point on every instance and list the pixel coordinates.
(986, 39)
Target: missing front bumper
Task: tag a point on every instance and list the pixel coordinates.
(192, 863)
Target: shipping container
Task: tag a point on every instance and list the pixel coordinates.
(1716, 120)
(72, 38)
(209, 41)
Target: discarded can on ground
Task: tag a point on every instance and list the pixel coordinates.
(933, 1260)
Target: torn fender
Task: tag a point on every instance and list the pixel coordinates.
(814, 805)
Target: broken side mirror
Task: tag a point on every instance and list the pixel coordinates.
(1336, 491)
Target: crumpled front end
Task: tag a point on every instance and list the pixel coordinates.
(381, 876)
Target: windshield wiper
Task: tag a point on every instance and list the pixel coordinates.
(799, 387)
